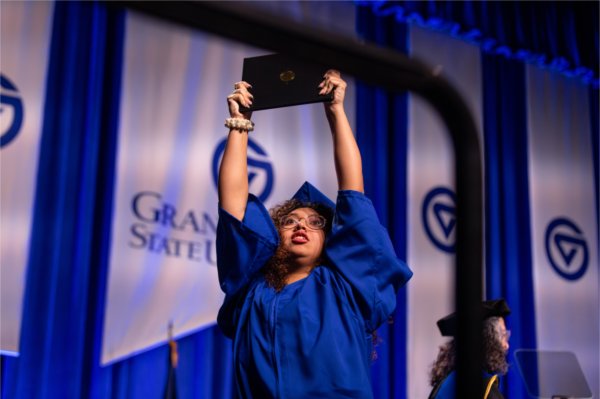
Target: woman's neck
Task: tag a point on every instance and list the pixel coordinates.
(298, 272)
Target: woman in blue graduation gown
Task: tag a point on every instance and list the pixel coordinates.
(308, 284)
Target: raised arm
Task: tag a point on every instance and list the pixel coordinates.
(348, 163)
(233, 172)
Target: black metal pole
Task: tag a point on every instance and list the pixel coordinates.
(394, 71)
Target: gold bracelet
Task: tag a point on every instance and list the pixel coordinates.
(239, 124)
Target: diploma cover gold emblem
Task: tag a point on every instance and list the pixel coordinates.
(287, 76)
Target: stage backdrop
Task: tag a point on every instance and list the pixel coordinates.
(25, 31)
(171, 138)
(564, 260)
(542, 253)
(563, 219)
(432, 200)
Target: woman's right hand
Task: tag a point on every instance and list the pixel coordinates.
(233, 172)
(240, 96)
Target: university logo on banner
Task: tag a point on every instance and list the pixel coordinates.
(563, 223)
(162, 267)
(259, 169)
(566, 248)
(12, 104)
(24, 54)
(439, 218)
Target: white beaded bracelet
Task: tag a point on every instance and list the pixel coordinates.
(239, 124)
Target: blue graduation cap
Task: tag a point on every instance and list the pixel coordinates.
(309, 193)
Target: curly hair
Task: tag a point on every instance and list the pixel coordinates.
(494, 354)
(444, 363)
(277, 268)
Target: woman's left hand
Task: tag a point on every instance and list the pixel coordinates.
(332, 82)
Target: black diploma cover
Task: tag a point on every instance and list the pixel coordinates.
(280, 80)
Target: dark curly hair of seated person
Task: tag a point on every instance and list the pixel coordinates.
(494, 355)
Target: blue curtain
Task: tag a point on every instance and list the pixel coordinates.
(508, 266)
(381, 131)
(509, 34)
(559, 35)
(62, 325)
(59, 318)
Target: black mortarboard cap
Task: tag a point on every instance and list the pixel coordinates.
(492, 308)
(281, 80)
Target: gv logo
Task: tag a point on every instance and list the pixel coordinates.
(260, 171)
(566, 249)
(439, 218)
(11, 109)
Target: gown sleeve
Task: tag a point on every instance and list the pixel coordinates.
(243, 247)
(360, 249)
(446, 389)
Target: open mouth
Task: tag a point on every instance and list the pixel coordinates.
(299, 238)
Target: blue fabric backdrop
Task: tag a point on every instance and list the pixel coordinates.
(67, 271)
(381, 131)
(64, 298)
(507, 236)
(560, 35)
(64, 284)
(508, 34)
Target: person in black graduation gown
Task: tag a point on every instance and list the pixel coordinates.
(495, 340)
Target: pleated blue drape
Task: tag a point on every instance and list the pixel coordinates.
(508, 263)
(514, 27)
(61, 332)
(381, 131)
(59, 323)
(558, 35)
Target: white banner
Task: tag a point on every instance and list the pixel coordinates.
(171, 137)
(25, 32)
(431, 208)
(563, 220)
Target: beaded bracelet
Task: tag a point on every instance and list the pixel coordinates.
(239, 124)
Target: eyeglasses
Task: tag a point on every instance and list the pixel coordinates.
(313, 222)
(505, 334)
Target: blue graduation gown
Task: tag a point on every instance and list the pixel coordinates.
(313, 338)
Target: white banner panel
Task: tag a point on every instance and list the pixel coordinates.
(563, 219)
(25, 32)
(171, 137)
(431, 205)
